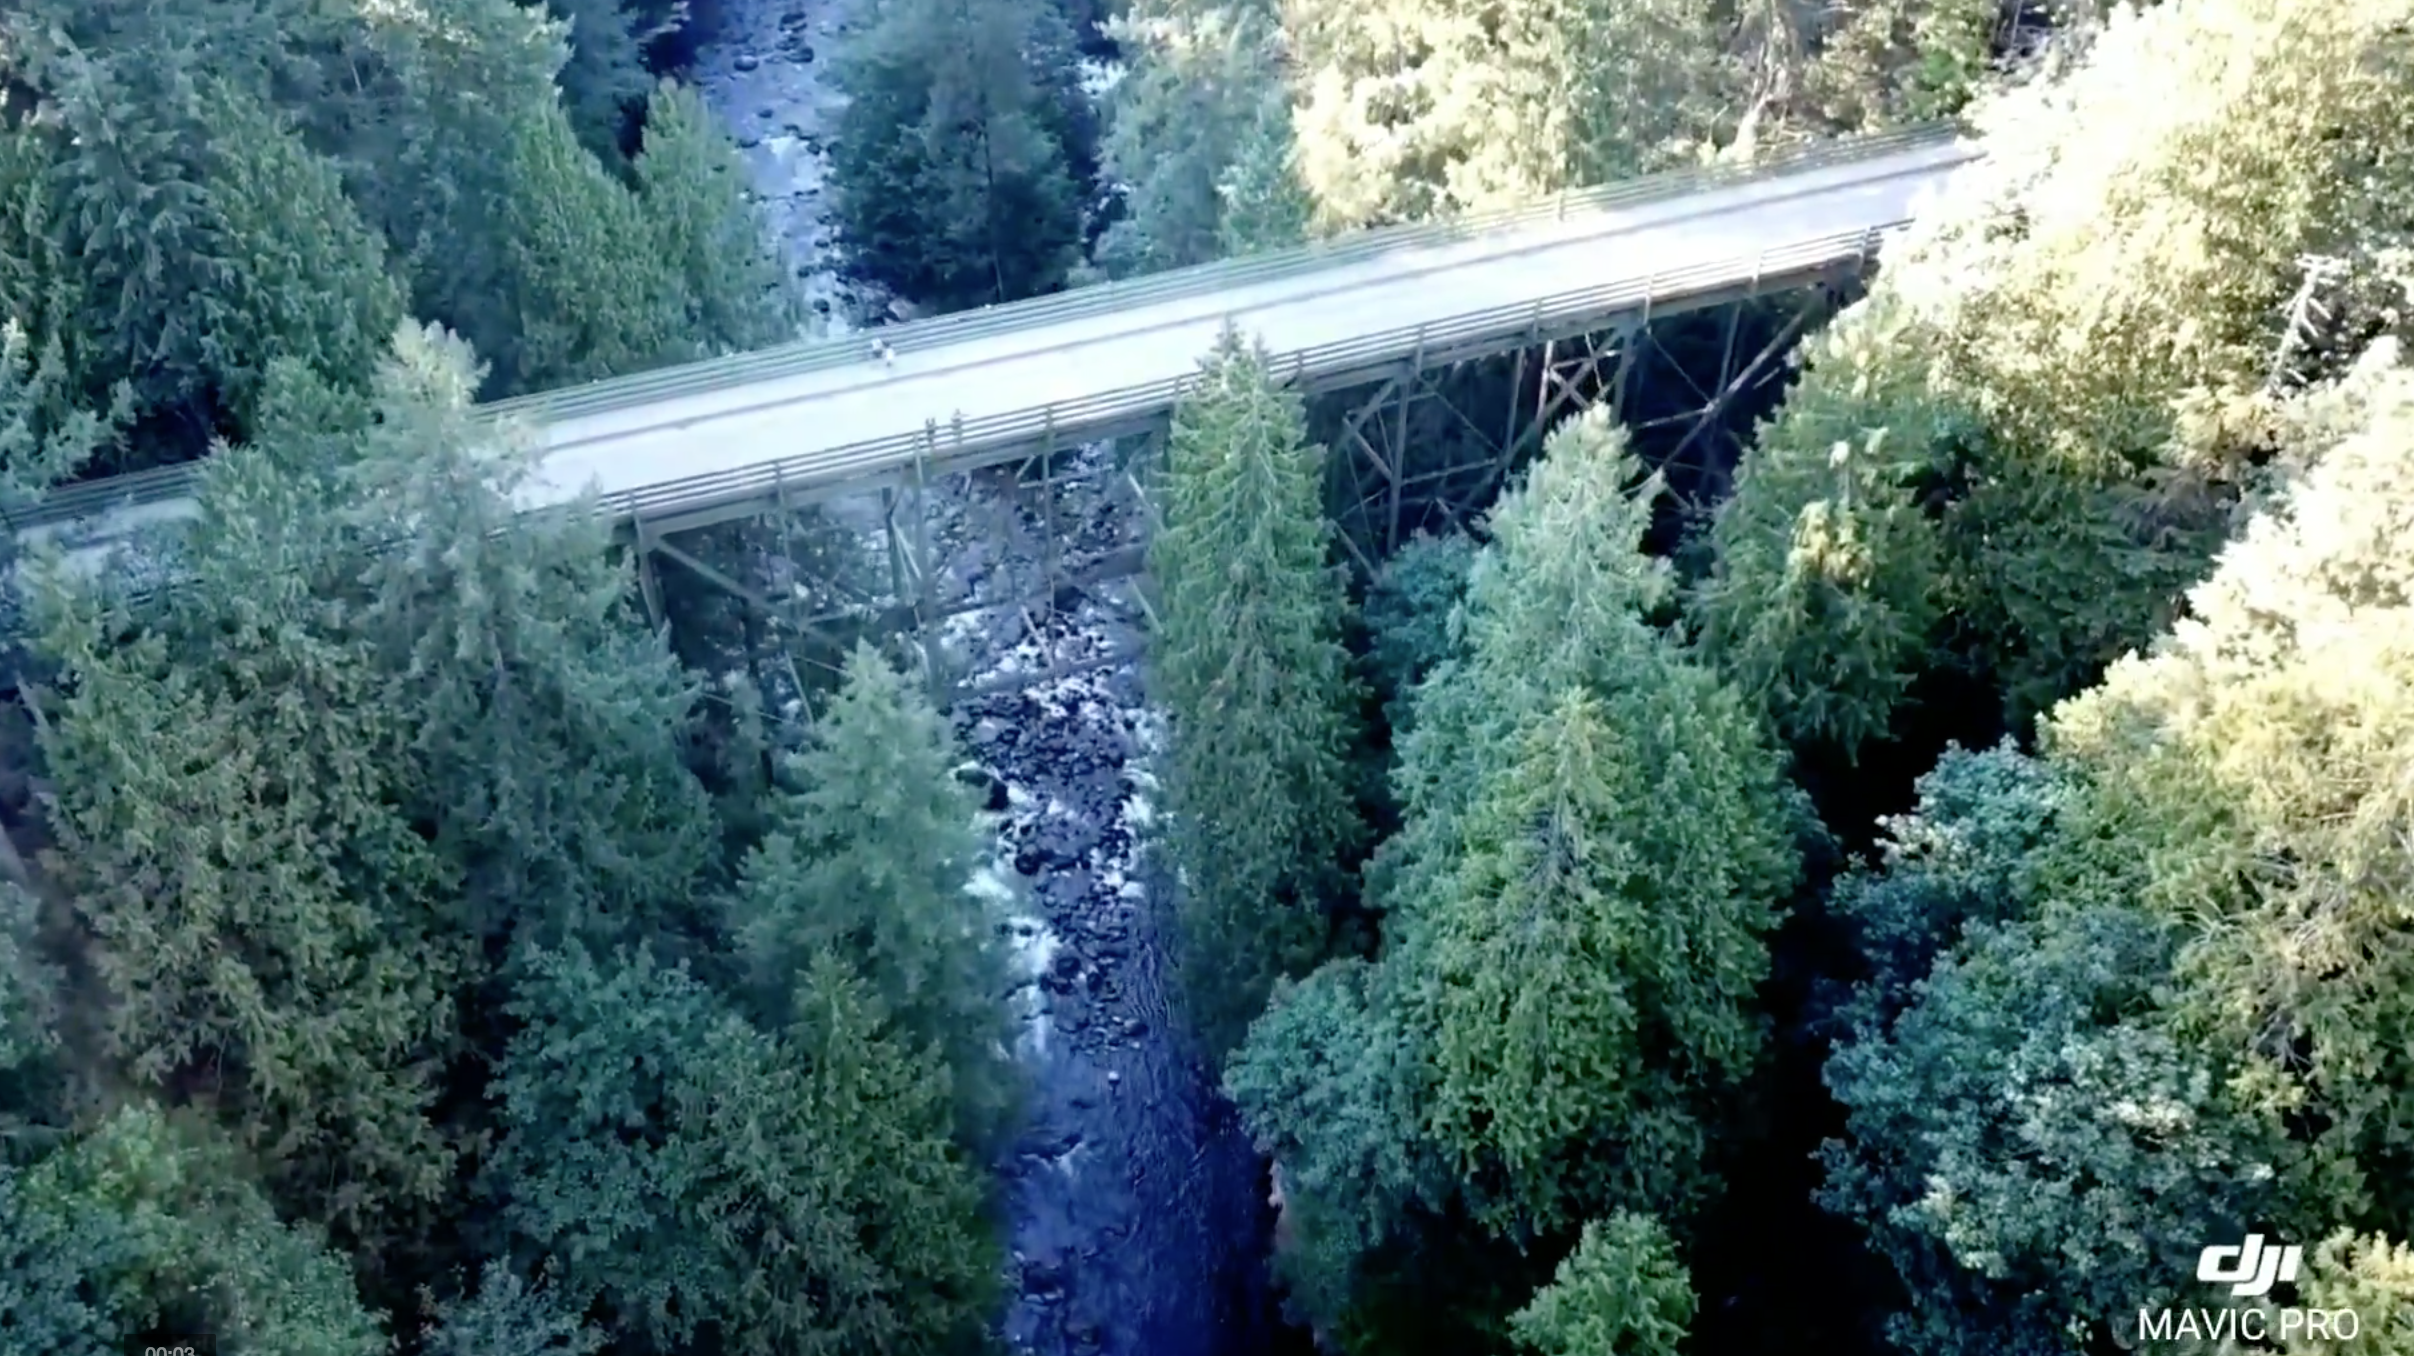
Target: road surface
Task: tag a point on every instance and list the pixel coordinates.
(695, 444)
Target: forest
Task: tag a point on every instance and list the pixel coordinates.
(1965, 877)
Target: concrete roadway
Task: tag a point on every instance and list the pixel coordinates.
(817, 416)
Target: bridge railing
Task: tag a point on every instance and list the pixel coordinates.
(938, 444)
(816, 355)
(73, 502)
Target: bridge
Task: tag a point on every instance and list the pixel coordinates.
(687, 447)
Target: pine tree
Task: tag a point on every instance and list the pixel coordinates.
(695, 1175)
(506, 1317)
(1596, 840)
(268, 923)
(956, 162)
(693, 187)
(1183, 119)
(2163, 961)
(308, 280)
(1420, 108)
(144, 1224)
(591, 292)
(545, 721)
(1620, 1293)
(206, 241)
(1265, 206)
(872, 862)
(1525, 783)
(1248, 661)
(2008, 463)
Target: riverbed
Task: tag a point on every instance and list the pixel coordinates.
(1136, 1213)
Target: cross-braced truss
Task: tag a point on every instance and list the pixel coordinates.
(1418, 450)
(1422, 447)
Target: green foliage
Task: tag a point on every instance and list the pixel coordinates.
(44, 437)
(1199, 134)
(508, 1318)
(2051, 398)
(605, 83)
(1408, 610)
(176, 235)
(1265, 205)
(1579, 935)
(693, 184)
(957, 165)
(1620, 1293)
(695, 1175)
(1247, 658)
(872, 863)
(1425, 107)
(2260, 751)
(1596, 840)
(545, 721)
(2370, 1274)
(589, 298)
(1888, 63)
(28, 1011)
(143, 1224)
(2176, 1010)
(2030, 1145)
(267, 923)
(1332, 1084)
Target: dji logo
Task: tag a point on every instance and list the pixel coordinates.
(2249, 1268)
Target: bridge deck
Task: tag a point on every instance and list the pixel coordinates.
(687, 446)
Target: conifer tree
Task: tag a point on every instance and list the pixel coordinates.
(1596, 840)
(1620, 1293)
(2141, 1028)
(1265, 204)
(2008, 463)
(507, 1317)
(872, 862)
(958, 162)
(1248, 661)
(694, 1175)
(546, 722)
(268, 924)
(1427, 107)
(591, 293)
(693, 187)
(1203, 95)
(145, 1225)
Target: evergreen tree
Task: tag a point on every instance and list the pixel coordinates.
(1596, 839)
(1620, 1293)
(591, 294)
(143, 1227)
(872, 863)
(605, 84)
(2161, 1020)
(2011, 459)
(1408, 611)
(545, 723)
(204, 239)
(269, 925)
(693, 188)
(958, 164)
(1419, 108)
(506, 1317)
(1247, 659)
(1184, 117)
(1265, 206)
(697, 1177)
